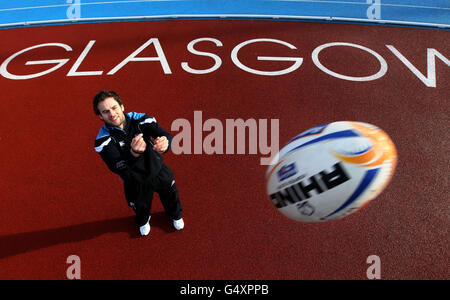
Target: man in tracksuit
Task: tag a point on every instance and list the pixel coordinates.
(131, 145)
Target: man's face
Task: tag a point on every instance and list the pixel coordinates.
(111, 112)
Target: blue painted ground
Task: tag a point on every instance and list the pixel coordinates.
(411, 11)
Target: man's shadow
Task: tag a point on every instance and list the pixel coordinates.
(15, 244)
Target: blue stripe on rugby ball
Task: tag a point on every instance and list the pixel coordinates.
(331, 136)
(357, 153)
(366, 181)
(309, 132)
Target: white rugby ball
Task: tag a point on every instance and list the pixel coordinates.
(331, 171)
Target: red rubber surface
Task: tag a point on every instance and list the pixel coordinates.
(59, 199)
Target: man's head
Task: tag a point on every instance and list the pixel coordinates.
(109, 107)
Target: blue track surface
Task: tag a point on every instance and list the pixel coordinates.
(412, 12)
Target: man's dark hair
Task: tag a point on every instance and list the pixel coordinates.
(101, 96)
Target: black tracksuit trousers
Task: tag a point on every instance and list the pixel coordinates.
(140, 196)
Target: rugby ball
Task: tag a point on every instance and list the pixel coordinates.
(331, 171)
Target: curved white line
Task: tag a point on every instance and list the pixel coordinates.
(305, 1)
(222, 16)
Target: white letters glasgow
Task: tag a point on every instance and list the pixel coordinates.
(429, 80)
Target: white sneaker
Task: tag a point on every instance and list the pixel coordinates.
(145, 229)
(178, 224)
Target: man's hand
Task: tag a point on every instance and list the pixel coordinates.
(138, 145)
(161, 144)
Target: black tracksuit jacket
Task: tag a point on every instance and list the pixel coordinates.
(113, 145)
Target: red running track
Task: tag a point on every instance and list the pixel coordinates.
(59, 199)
